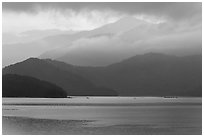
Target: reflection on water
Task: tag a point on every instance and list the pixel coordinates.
(109, 111)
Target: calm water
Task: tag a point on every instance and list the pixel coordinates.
(110, 111)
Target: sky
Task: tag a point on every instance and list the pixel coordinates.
(176, 24)
(87, 16)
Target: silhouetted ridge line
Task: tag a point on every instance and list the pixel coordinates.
(151, 74)
(72, 83)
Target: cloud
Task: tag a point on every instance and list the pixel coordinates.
(104, 50)
(94, 51)
(54, 19)
(87, 16)
(173, 10)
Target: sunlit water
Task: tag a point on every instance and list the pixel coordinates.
(109, 111)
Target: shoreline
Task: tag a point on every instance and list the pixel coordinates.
(100, 104)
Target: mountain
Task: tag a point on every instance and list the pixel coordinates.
(72, 83)
(84, 48)
(151, 74)
(122, 39)
(107, 44)
(23, 86)
(65, 41)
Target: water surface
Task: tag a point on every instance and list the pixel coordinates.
(155, 113)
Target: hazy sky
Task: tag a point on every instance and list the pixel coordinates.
(163, 26)
(85, 16)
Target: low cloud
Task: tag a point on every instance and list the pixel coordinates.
(54, 19)
(104, 50)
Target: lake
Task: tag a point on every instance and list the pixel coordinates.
(102, 115)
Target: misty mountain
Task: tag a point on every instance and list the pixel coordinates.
(86, 45)
(110, 43)
(72, 83)
(125, 38)
(23, 86)
(151, 74)
(65, 41)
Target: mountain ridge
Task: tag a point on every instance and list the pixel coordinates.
(72, 83)
(177, 75)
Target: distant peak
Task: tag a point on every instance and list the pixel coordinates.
(127, 19)
(32, 59)
(29, 60)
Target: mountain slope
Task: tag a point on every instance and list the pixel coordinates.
(157, 74)
(72, 83)
(151, 74)
(23, 86)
